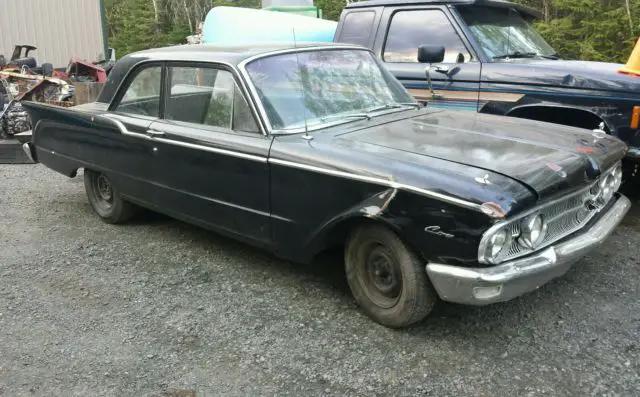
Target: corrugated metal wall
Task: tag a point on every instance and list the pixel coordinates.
(58, 28)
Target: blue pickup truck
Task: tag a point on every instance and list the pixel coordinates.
(494, 61)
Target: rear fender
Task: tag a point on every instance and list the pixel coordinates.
(54, 130)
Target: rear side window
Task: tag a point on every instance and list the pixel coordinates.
(357, 27)
(411, 29)
(142, 96)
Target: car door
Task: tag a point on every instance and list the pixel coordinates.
(211, 156)
(134, 107)
(455, 81)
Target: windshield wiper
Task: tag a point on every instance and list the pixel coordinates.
(346, 116)
(552, 56)
(395, 105)
(367, 115)
(517, 54)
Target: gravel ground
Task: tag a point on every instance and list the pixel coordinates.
(161, 308)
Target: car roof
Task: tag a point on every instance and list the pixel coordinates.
(228, 54)
(231, 55)
(528, 11)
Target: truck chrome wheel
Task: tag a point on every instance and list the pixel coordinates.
(386, 278)
(105, 198)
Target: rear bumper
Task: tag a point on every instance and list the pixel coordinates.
(482, 286)
(30, 151)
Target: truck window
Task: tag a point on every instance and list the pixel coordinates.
(142, 96)
(411, 29)
(356, 28)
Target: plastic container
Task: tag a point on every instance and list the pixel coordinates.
(242, 26)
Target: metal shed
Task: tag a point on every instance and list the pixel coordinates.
(59, 29)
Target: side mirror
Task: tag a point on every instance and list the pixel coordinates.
(430, 54)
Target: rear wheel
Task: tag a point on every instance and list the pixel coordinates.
(387, 279)
(105, 198)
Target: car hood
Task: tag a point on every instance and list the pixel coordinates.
(575, 74)
(545, 157)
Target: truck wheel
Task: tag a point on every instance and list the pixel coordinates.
(105, 198)
(388, 281)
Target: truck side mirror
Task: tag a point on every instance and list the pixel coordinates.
(430, 54)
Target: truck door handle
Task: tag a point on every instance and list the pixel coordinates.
(154, 133)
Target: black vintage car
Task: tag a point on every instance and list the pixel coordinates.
(297, 150)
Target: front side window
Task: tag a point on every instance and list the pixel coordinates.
(207, 96)
(324, 86)
(142, 96)
(503, 33)
(411, 29)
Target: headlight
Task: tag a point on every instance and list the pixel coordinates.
(496, 243)
(609, 183)
(534, 228)
(617, 174)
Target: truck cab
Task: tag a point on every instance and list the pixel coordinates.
(494, 62)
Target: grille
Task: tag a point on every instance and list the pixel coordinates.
(563, 218)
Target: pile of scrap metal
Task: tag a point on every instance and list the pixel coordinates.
(22, 80)
(24, 86)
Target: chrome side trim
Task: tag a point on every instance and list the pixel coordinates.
(363, 178)
(211, 149)
(379, 181)
(120, 125)
(123, 129)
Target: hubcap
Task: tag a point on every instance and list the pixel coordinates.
(104, 188)
(383, 277)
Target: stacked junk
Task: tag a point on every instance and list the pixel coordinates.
(22, 79)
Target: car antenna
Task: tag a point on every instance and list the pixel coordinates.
(306, 135)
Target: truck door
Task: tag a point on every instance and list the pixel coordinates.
(456, 81)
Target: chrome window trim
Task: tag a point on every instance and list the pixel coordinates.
(482, 248)
(254, 93)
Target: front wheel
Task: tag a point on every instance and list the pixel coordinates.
(386, 278)
(105, 198)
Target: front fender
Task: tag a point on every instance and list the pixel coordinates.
(336, 230)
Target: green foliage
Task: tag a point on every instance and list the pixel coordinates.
(331, 9)
(597, 30)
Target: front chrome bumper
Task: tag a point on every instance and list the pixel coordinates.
(482, 286)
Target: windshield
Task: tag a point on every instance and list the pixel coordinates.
(324, 87)
(503, 33)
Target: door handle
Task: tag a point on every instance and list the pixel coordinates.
(154, 133)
